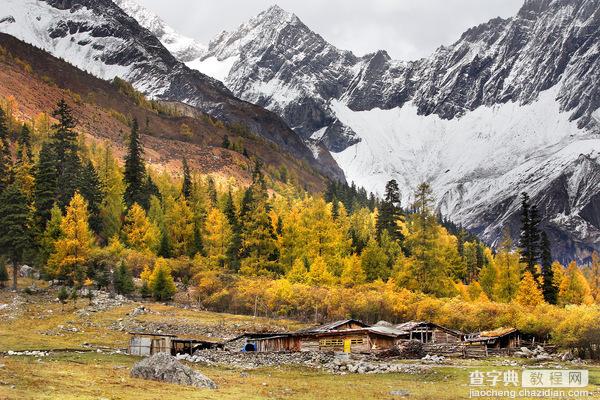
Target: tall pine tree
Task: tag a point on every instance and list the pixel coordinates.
(68, 163)
(91, 190)
(390, 212)
(549, 289)
(15, 227)
(529, 240)
(187, 180)
(5, 158)
(44, 192)
(136, 182)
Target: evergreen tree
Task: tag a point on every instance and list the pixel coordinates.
(187, 180)
(5, 157)
(136, 182)
(211, 191)
(51, 234)
(226, 142)
(258, 250)
(68, 162)
(63, 296)
(390, 212)
(3, 273)
(45, 184)
(235, 243)
(24, 142)
(15, 227)
(549, 290)
(91, 190)
(123, 280)
(529, 240)
(161, 282)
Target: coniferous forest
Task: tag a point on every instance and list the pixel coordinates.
(85, 219)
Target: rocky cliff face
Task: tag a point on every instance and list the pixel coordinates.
(509, 107)
(99, 37)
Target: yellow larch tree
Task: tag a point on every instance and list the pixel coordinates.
(217, 236)
(140, 233)
(319, 275)
(179, 221)
(574, 288)
(529, 293)
(73, 249)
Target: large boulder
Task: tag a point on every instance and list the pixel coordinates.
(166, 368)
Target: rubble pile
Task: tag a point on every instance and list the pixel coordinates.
(101, 301)
(540, 354)
(338, 364)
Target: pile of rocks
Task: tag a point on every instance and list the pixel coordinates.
(338, 364)
(102, 301)
(166, 368)
(538, 353)
(252, 360)
(139, 311)
(351, 365)
(433, 359)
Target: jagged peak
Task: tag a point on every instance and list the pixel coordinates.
(277, 13)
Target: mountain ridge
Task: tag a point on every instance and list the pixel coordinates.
(99, 37)
(490, 83)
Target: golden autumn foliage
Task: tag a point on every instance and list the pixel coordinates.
(574, 288)
(140, 233)
(217, 236)
(73, 248)
(529, 293)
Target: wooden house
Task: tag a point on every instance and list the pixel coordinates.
(428, 332)
(500, 338)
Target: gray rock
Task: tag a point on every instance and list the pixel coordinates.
(166, 368)
(400, 393)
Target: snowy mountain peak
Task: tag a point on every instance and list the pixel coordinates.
(509, 107)
(183, 48)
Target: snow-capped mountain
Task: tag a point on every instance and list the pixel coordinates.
(510, 107)
(182, 47)
(99, 37)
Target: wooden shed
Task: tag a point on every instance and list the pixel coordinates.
(500, 338)
(147, 344)
(428, 332)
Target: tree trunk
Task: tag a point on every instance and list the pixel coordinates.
(15, 272)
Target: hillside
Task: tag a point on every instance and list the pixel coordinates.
(509, 107)
(104, 112)
(97, 36)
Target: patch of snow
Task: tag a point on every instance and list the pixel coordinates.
(476, 159)
(34, 19)
(213, 67)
